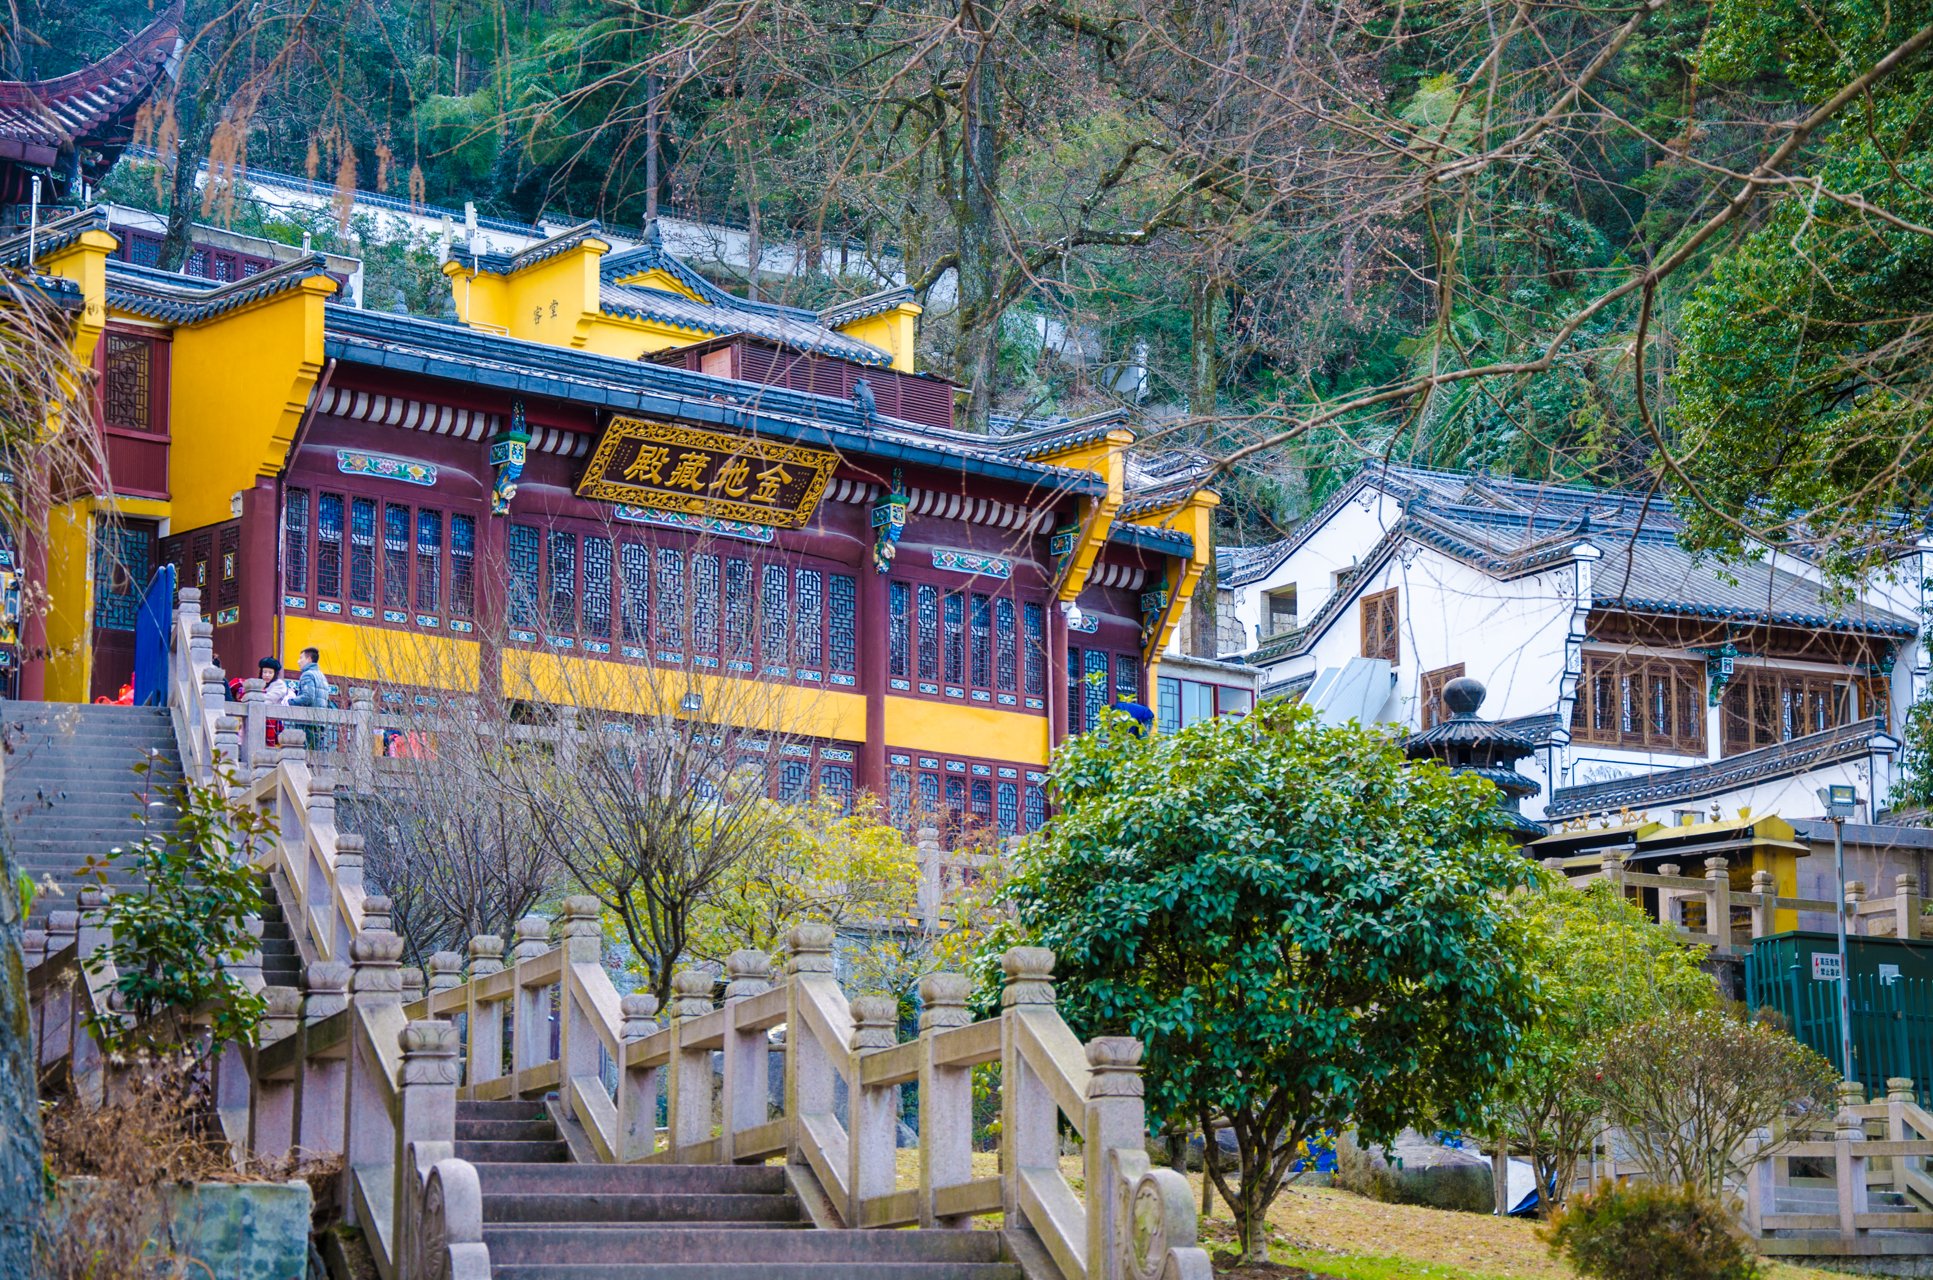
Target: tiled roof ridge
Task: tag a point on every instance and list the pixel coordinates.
(866, 304)
(415, 337)
(88, 83)
(161, 299)
(1700, 781)
(51, 237)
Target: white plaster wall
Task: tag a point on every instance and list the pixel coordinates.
(1508, 634)
(1341, 540)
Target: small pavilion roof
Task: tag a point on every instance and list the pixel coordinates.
(77, 124)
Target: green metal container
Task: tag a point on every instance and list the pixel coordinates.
(1891, 991)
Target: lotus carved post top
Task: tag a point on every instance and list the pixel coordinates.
(707, 473)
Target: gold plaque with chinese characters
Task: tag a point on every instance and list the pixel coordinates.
(707, 473)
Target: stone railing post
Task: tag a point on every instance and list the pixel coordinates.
(1855, 899)
(1667, 897)
(872, 1119)
(1761, 1184)
(1907, 906)
(946, 1100)
(930, 894)
(425, 1128)
(214, 685)
(414, 984)
(690, 1084)
(581, 936)
(271, 1121)
(257, 753)
(1029, 1131)
(91, 933)
(1850, 1167)
(485, 1017)
(637, 1087)
(376, 990)
(1718, 897)
(60, 1031)
(360, 748)
(747, 1052)
(322, 1096)
(809, 1071)
(530, 1018)
(1899, 1095)
(228, 745)
(1766, 886)
(1116, 1119)
(446, 971)
(1612, 863)
(349, 852)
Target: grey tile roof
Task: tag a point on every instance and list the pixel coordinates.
(1512, 527)
(722, 312)
(1647, 576)
(437, 349)
(1699, 782)
(52, 236)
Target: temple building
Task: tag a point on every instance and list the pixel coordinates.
(607, 459)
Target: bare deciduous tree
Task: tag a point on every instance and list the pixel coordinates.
(1686, 1092)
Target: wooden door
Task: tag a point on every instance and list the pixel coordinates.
(124, 560)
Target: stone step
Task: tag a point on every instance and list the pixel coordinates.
(513, 1152)
(630, 1179)
(727, 1244)
(507, 1109)
(593, 1208)
(565, 1270)
(541, 1129)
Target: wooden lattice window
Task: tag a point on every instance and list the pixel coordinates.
(1381, 630)
(1429, 694)
(129, 382)
(1649, 704)
(1765, 706)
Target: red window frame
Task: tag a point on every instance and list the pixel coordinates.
(413, 584)
(763, 638)
(1003, 665)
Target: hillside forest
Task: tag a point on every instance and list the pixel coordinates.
(1681, 246)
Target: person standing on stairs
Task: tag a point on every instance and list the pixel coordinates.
(311, 690)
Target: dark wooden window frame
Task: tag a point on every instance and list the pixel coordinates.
(703, 631)
(409, 566)
(1764, 706)
(1382, 620)
(1618, 703)
(1429, 694)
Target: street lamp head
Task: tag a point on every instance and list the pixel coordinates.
(1840, 801)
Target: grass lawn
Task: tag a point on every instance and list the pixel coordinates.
(1347, 1236)
(1336, 1234)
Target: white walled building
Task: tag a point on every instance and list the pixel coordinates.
(1650, 680)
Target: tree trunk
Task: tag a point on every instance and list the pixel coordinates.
(21, 1186)
(183, 196)
(978, 344)
(1204, 370)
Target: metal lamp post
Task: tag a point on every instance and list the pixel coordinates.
(1840, 802)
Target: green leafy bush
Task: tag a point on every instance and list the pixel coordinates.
(169, 940)
(1651, 1232)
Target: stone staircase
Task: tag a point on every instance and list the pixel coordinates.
(545, 1218)
(71, 793)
